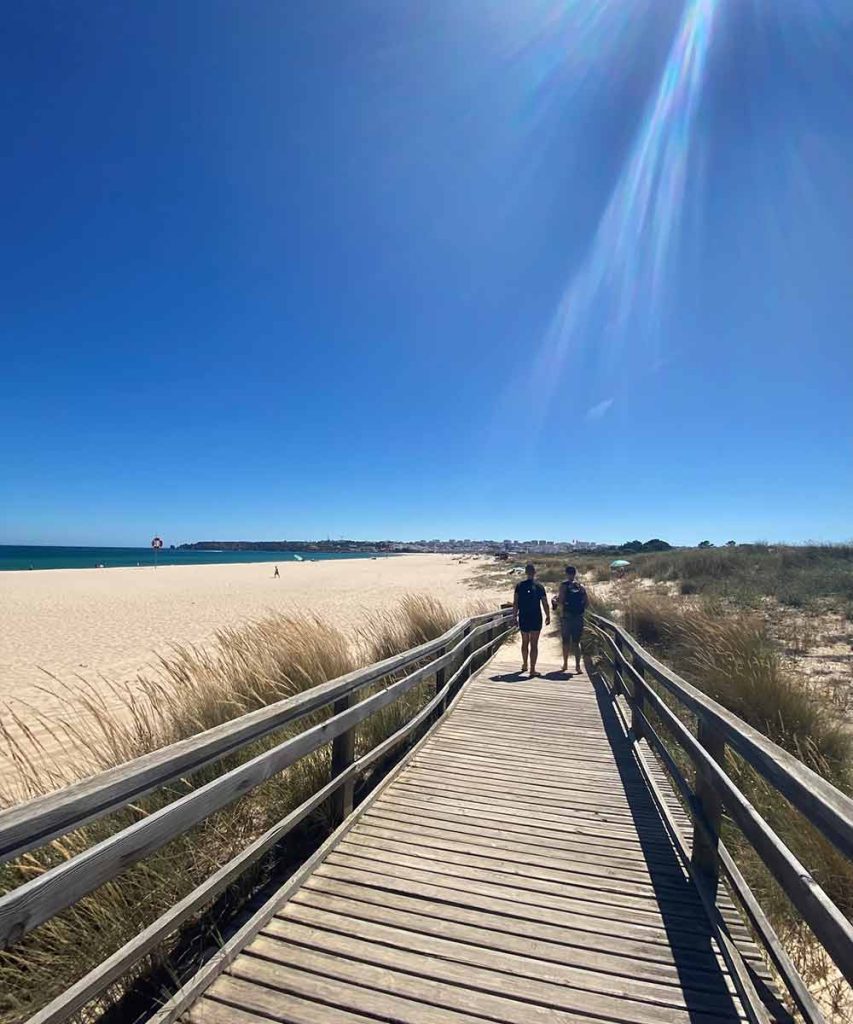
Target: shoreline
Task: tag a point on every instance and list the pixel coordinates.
(194, 559)
(204, 565)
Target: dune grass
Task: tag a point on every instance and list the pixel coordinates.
(243, 669)
(735, 661)
(810, 577)
(732, 658)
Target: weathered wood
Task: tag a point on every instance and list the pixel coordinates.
(830, 926)
(420, 957)
(440, 677)
(590, 923)
(517, 841)
(755, 1009)
(244, 1002)
(386, 995)
(639, 700)
(98, 979)
(708, 808)
(343, 754)
(775, 950)
(826, 807)
(431, 938)
(540, 939)
(498, 933)
(618, 662)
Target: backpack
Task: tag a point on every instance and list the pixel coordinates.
(574, 599)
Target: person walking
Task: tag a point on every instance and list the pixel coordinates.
(276, 574)
(529, 602)
(572, 601)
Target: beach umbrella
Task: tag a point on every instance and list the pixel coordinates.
(620, 563)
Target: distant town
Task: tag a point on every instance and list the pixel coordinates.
(452, 546)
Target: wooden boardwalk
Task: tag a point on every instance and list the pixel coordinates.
(515, 869)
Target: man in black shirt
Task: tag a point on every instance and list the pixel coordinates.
(529, 595)
(572, 600)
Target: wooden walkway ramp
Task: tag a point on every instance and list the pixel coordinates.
(514, 868)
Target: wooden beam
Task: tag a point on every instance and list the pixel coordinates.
(709, 805)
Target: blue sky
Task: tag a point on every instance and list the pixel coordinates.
(576, 269)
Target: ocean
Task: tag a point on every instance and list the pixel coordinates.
(38, 557)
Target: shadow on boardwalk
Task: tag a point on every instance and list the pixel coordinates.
(695, 953)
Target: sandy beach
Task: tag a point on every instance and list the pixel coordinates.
(112, 623)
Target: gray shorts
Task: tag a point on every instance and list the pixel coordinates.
(571, 627)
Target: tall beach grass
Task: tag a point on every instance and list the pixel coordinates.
(193, 690)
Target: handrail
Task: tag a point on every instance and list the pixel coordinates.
(34, 823)
(826, 807)
(829, 810)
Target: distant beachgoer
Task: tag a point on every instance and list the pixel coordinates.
(572, 601)
(529, 602)
(276, 574)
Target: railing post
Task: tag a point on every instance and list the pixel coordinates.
(639, 702)
(343, 755)
(440, 680)
(618, 680)
(705, 855)
(441, 673)
(467, 650)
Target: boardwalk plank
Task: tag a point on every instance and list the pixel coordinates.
(236, 995)
(560, 870)
(659, 961)
(605, 893)
(489, 840)
(584, 968)
(360, 986)
(421, 960)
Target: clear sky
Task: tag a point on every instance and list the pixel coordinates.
(406, 268)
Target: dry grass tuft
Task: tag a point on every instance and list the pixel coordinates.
(734, 660)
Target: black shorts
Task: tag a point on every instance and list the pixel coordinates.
(530, 622)
(571, 626)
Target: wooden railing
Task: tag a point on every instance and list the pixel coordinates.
(632, 671)
(448, 660)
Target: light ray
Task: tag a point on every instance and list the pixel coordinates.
(621, 283)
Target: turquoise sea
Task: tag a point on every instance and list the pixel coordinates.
(36, 557)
